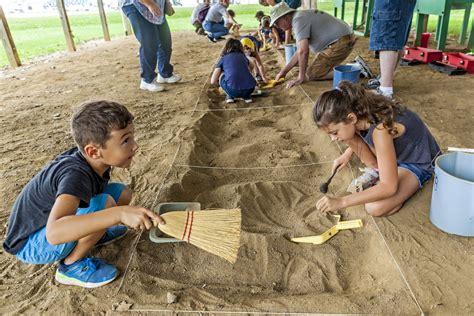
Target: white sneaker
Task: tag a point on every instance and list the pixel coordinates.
(173, 79)
(385, 94)
(153, 86)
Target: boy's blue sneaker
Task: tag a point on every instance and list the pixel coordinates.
(87, 272)
(112, 234)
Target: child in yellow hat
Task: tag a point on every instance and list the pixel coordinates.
(251, 47)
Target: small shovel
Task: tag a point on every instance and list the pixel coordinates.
(323, 188)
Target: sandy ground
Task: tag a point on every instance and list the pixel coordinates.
(401, 264)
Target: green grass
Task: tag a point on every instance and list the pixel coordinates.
(41, 36)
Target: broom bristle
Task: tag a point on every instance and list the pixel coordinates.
(216, 231)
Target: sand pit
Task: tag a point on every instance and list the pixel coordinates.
(266, 158)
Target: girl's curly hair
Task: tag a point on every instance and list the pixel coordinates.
(333, 106)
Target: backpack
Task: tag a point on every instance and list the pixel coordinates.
(202, 14)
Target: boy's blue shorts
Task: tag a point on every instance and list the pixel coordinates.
(421, 174)
(38, 250)
(391, 22)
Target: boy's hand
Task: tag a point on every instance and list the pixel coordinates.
(138, 217)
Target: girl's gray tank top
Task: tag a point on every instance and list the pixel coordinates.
(416, 145)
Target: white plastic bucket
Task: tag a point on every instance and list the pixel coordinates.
(290, 50)
(452, 201)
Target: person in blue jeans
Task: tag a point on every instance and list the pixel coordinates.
(233, 73)
(152, 32)
(391, 23)
(214, 24)
(69, 207)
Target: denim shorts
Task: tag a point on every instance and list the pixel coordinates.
(234, 93)
(421, 174)
(37, 249)
(294, 4)
(391, 22)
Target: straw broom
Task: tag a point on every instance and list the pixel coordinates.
(216, 231)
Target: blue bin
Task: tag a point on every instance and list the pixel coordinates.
(290, 50)
(452, 201)
(345, 72)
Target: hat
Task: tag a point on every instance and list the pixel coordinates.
(247, 42)
(278, 11)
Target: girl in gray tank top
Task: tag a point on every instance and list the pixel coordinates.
(392, 141)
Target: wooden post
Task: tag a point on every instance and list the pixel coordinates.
(309, 4)
(103, 20)
(66, 27)
(127, 28)
(7, 41)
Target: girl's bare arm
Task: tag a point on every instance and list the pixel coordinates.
(215, 76)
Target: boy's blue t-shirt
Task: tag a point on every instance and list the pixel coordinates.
(236, 71)
(68, 173)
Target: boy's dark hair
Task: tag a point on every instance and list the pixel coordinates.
(232, 46)
(259, 14)
(93, 122)
(265, 21)
(333, 106)
(231, 13)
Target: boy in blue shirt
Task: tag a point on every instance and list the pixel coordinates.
(70, 206)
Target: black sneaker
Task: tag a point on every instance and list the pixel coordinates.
(364, 68)
(211, 39)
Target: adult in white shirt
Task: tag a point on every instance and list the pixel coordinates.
(215, 18)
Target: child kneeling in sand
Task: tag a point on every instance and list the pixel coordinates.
(392, 141)
(70, 206)
(232, 24)
(251, 47)
(233, 73)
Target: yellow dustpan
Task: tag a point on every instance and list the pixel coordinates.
(271, 83)
(320, 239)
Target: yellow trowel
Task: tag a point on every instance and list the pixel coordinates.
(320, 239)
